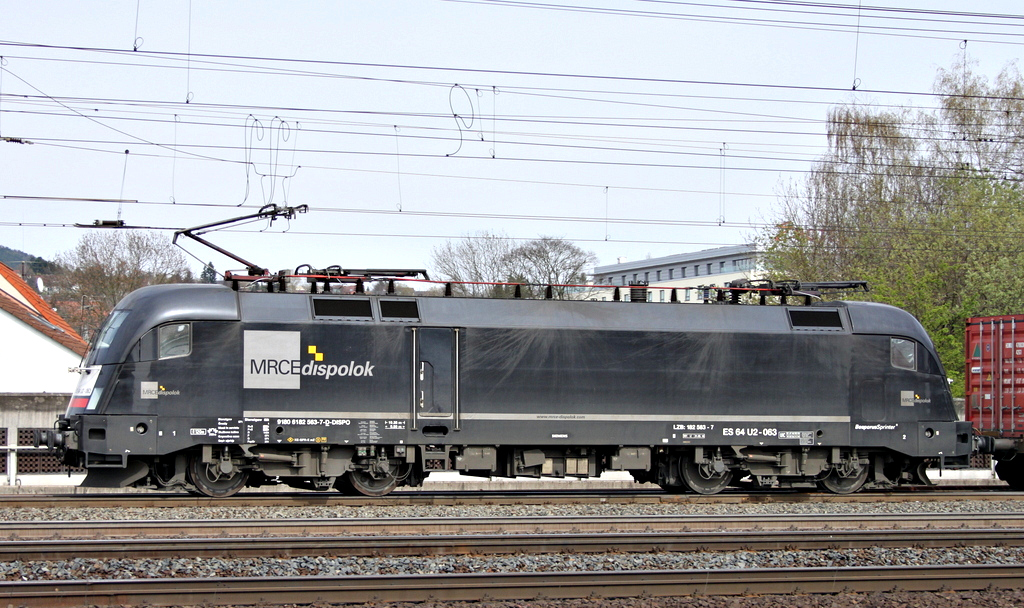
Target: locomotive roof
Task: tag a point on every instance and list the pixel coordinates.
(159, 304)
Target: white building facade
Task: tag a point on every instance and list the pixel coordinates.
(684, 272)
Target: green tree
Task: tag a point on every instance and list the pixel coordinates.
(925, 205)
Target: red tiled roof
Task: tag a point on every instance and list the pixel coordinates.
(38, 313)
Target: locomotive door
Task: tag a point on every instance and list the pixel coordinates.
(435, 375)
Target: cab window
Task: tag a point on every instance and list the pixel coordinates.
(105, 337)
(174, 340)
(902, 353)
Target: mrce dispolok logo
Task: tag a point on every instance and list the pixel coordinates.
(276, 359)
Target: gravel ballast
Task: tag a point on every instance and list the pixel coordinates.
(575, 510)
(340, 565)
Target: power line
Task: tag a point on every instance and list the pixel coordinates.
(881, 30)
(467, 70)
(537, 91)
(963, 247)
(808, 227)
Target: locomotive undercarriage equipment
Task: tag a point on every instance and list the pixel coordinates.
(836, 470)
(847, 475)
(705, 473)
(378, 479)
(215, 472)
(550, 462)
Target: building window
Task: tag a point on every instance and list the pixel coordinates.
(657, 275)
(670, 273)
(662, 296)
(696, 270)
(687, 296)
(634, 277)
(682, 272)
(721, 267)
(709, 268)
(647, 277)
(623, 279)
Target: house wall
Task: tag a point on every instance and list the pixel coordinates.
(31, 410)
(33, 363)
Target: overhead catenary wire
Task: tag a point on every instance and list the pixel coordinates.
(660, 124)
(538, 91)
(944, 136)
(568, 76)
(922, 171)
(805, 227)
(558, 137)
(789, 24)
(981, 246)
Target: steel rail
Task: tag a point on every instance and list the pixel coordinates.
(495, 497)
(239, 528)
(395, 546)
(508, 586)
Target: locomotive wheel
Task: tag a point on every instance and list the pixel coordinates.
(1011, 472)
(361, 482)
(210, 481)
(701, 478)
(844, 485)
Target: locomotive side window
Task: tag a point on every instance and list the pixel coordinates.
(816, 319)
(399, 309)
(174, 340)
(902, 353)
(332, 307)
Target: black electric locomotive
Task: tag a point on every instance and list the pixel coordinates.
(213, 388)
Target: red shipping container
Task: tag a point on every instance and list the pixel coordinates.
(994, 378)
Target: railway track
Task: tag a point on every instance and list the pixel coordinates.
(462, 526)
(392, 546)
(516, 586)
(224, 540)
(463, 498)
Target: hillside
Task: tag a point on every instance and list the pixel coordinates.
(14, 257)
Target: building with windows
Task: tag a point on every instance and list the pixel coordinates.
(685, 272)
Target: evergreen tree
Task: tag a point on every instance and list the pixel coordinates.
(208, 275)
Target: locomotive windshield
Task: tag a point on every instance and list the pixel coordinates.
(106, 336)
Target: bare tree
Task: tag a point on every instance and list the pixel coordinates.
(553, 261)
(489, 257)
(106, 266)
(479, 258)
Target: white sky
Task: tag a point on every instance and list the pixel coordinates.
(642, 158)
